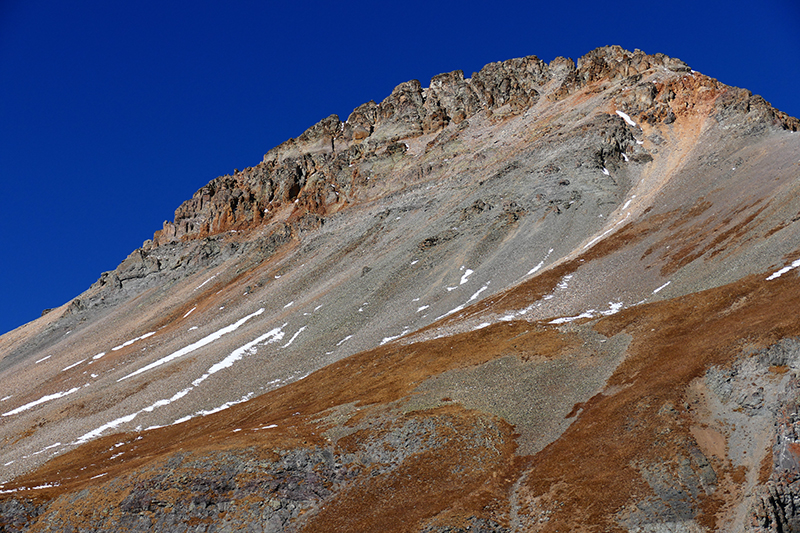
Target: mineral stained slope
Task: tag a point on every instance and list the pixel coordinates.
(548, 297)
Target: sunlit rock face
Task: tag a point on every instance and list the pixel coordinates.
(544, 297)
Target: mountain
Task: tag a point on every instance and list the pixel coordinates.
(547, 297)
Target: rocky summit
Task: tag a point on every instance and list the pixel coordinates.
(547, 297)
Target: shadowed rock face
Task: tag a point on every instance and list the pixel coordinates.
(548, 297)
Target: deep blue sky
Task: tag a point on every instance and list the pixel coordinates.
(113, 113)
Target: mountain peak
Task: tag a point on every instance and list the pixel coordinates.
(549, 296)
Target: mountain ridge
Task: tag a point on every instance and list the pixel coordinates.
(584, 203)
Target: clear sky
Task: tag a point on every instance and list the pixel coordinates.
(113, 113)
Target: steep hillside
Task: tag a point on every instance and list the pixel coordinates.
(546, 297)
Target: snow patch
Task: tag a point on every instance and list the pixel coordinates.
(541, 263)
(128, 343)
(73, 365)
(626, 118)
(272, 335)
(293, 337)
(41, 400)
(343, 340)
(45, 358)
(784, 270)
(190, 311)
(98, 356)
(661, 287)
(194, 346)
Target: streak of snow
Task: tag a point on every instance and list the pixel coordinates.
(481, 326)
(415, 261)
(41, 400)
(99, 475)
(626, 118)
(128, 343)
(273, 335)
(206, 281)
(614, 308)
(194, 346)
(541, 263)
(293, 337)
(624, 207)
(266, 427)
(605, 171)
(625, 157)
(289, 304)
(661, 287)
(343, 340)
(189, 312)
(224, 406)
(424, 307)
(98, 356)
(6, 398)
(108, 425)
(390, 339)
(73, 365)
(45, 358)
(564, 320)
(784, 270)
(466, 276)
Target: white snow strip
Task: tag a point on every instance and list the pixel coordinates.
(189, 312)
(161, 403)
(46, 486)
(293, 337)
(639, 142)
(45, 358)
(624, 207)
(605, 171)
(424, 307)
(289, 304)
(451, 289)
(98, 356)
(626, 118)
(625, 157)
(206, 281)
(784, 270)
(541, 263)
(266, 427)
(343, 340)
(73, 365)
(564, 283)
(564, 320)
(56, 445)
(99, 475)
(661, 287)
(317, 308)
(6, 398)
(465, 277)
(475, 296)
(41, 400)
(109, 425)
(128, 343)
(415, 261)
(614, 308)
(450, 312)
(194, 346)
(390, 339)
(224, 406)
(272, 335)
(481, 326)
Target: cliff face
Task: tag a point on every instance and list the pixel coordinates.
(546, 297)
